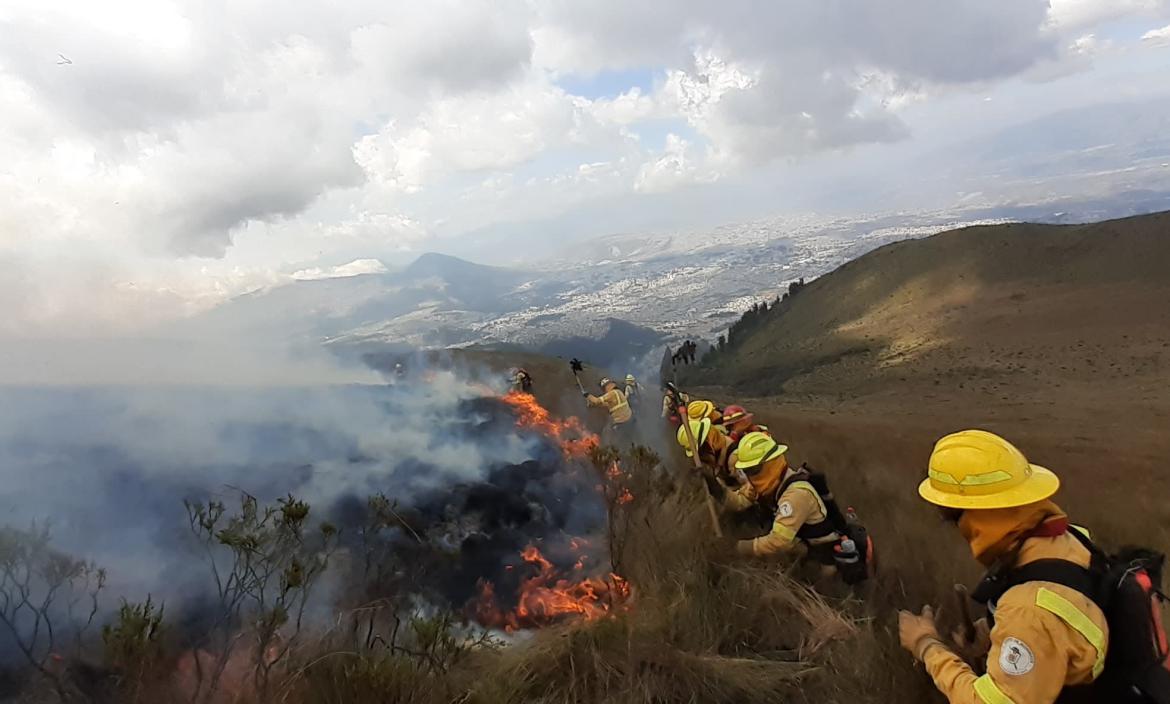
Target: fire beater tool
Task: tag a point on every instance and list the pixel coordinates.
(577, 367)
(965, 621)
(686, 424)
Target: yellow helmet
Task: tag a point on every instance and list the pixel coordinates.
(699, 409)
(975, 469)
(757, 448)
(700, 429)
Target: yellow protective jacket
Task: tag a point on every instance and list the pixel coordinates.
(1046, 637)
(799, 505)
(668, 404)
(615, 402)
(714, 452)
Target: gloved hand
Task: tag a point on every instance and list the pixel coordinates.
(584, 394)
(714, 486)
(918, 632)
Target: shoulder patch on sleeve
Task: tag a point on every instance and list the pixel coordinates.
(1015, 657)
(784, 510)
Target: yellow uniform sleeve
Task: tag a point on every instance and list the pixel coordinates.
(795, 507)
(1027, 664)
(593, 401)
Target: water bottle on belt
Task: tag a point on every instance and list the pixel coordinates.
(845, 552)
(850, 564)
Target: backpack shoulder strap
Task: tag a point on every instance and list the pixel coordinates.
(794, 476)
(1062, 572)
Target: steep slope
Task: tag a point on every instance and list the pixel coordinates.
(1020, 310)
(621, 343)
(1057, 337)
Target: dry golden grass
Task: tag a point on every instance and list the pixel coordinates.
(697, 630)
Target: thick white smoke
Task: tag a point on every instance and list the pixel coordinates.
(110, 466)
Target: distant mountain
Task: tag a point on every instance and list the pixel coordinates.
(464, 284)
(434, 301)
(614, 299)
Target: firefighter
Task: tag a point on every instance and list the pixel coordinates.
(633, 390)
(521, 381)
(697, 410)
(1046, 636)
(800, 515)
(672, 398)
(737, 422)
(620, 416)
(714, 446)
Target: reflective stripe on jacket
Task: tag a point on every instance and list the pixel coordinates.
(797, 508)
(1046, 637)
(615, 402)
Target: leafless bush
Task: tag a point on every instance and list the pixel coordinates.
(48, 602)
(264, 563)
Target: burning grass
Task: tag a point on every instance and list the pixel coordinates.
(635, 610)
(546, 597)
(574, 438)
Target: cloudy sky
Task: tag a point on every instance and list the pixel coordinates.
(157, 156)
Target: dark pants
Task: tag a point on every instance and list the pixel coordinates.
(620, 435)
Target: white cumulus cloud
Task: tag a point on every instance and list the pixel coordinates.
(1158, 37)
(157, 156)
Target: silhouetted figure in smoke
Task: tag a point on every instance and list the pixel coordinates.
(522, 380)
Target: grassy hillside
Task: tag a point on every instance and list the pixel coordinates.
(1057, 337)
(1000, 313)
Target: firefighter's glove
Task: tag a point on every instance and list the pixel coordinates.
(918, 632)
(584, 394)
(977, 648)
(714, 486)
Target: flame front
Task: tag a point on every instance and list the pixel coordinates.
(573, 437)
(545, 598)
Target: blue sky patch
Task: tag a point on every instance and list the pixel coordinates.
(609, 84)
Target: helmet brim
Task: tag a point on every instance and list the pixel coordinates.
(1041, 485)
(772, 454)
(745, 418)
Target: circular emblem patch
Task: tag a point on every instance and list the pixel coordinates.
(1016, 658)
(784, 510)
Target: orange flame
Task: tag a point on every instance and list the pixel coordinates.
(545, 598)
(574, 438)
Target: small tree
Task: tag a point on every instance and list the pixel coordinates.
(265, 564)
(48, 601)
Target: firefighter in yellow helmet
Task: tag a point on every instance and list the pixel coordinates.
(698, 410)
(621, 417)
(714, 446)
(1046, 636)
(800, 515)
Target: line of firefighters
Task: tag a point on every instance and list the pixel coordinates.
(1055, 601)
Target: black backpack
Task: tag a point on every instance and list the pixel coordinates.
(854, 567)
(1127, 586)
